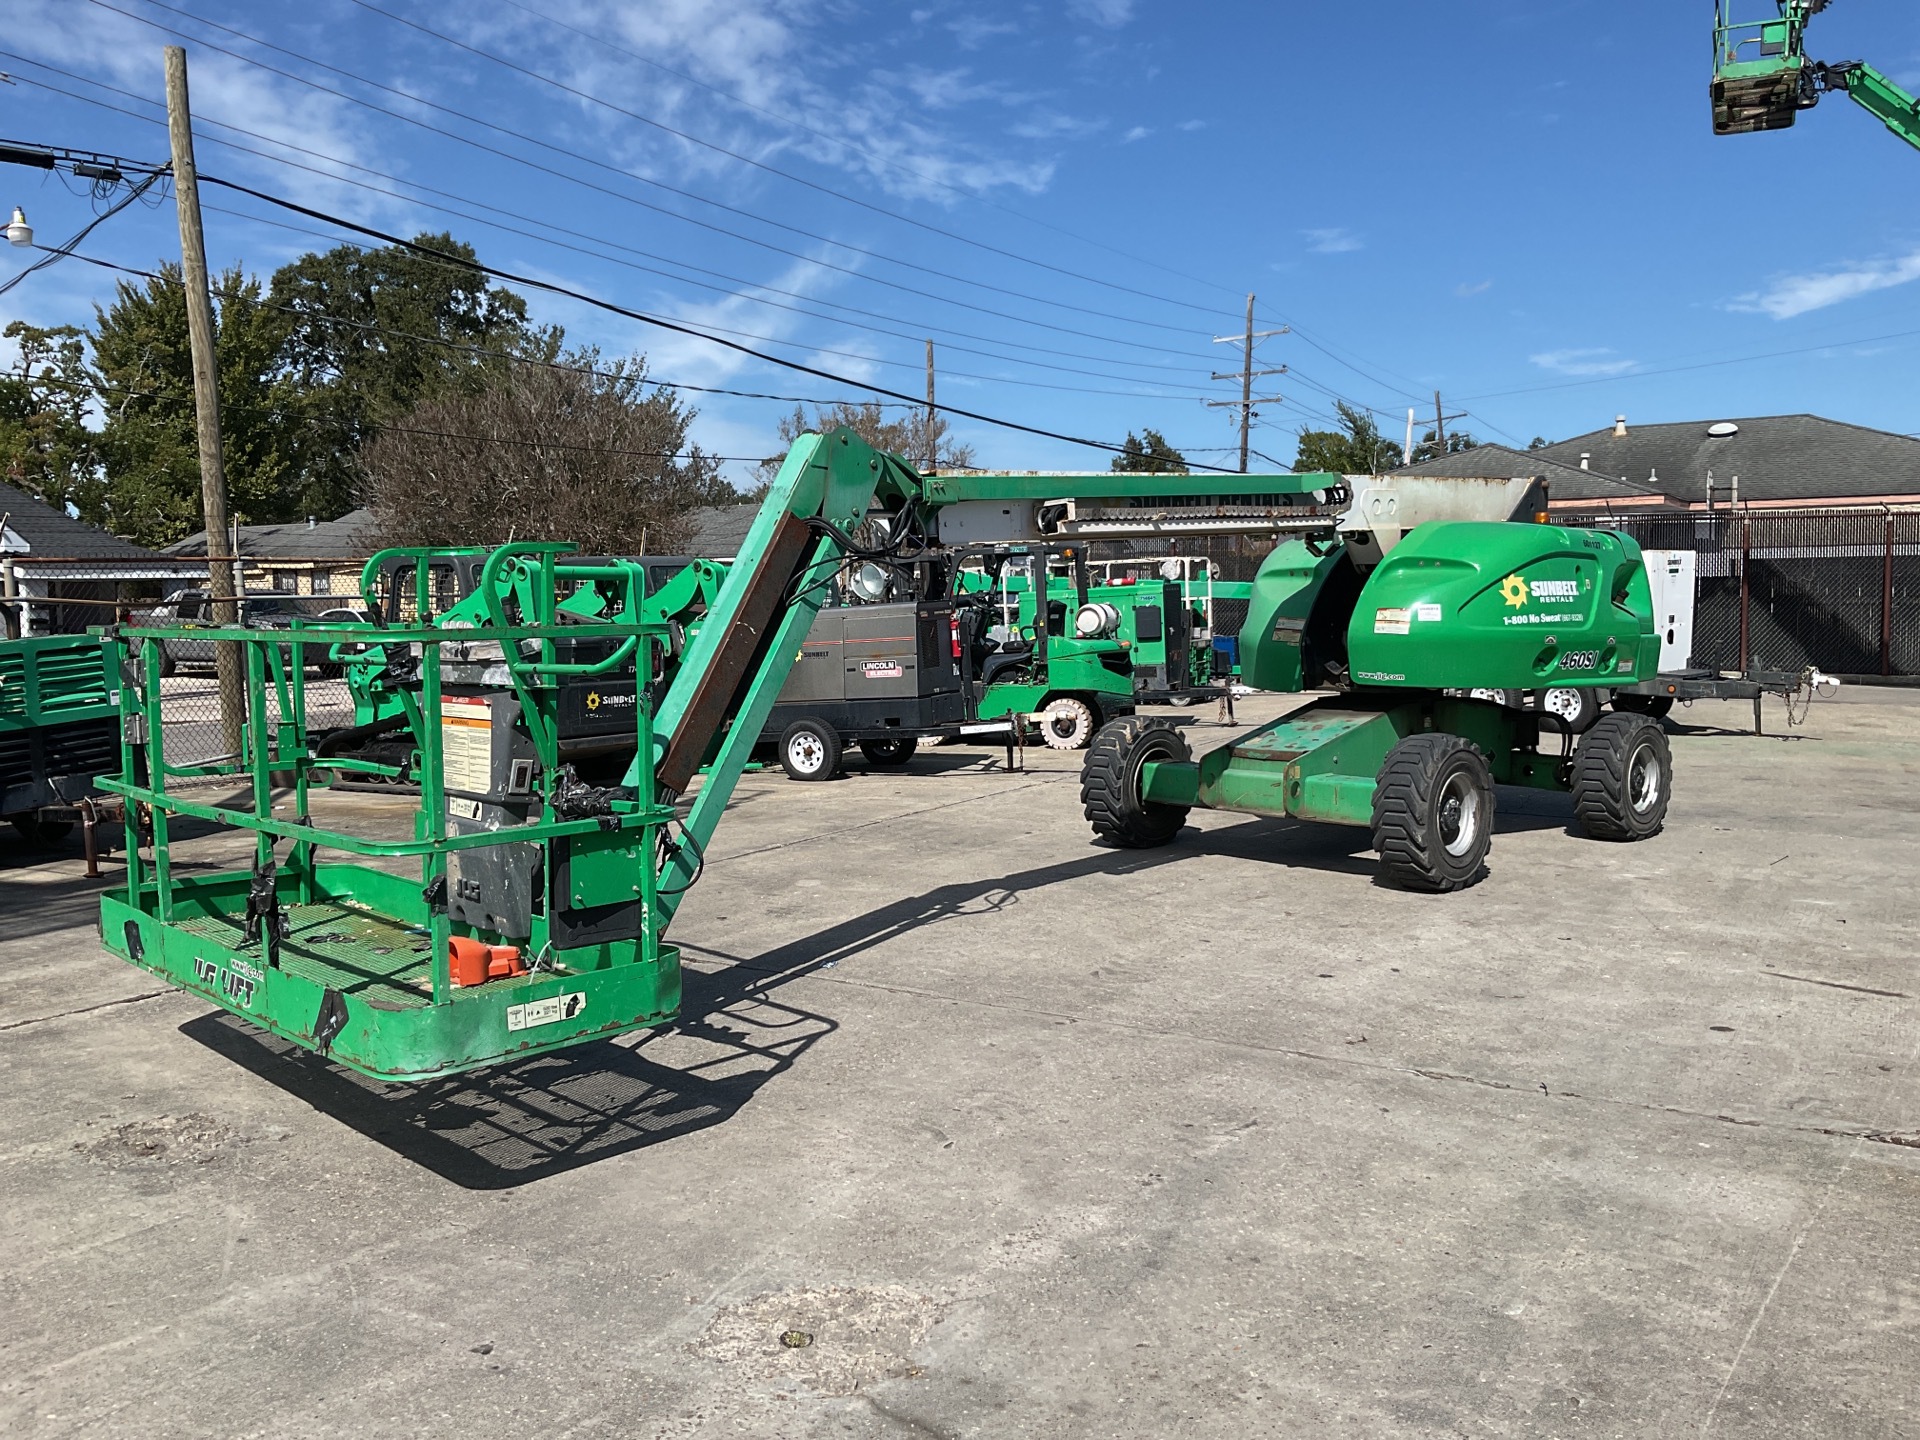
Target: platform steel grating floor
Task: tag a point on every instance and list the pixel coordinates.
(342, 947)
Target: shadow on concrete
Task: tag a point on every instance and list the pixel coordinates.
(514, 1124)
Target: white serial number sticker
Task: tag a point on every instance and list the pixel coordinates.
(550, 1011)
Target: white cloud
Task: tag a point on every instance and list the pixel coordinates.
(1791, 295)
(1583, 362)
(1191, 125)
(1110, 13)
(973, 31)
(118, 51)
(908, 133)
(1466, 291)
(1333, 241)
(1138, 132)
(1053, 126)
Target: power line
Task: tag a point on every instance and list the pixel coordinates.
(421, 100)
(693, 139)
(903, 400)
(587, 184)
(55, 255)
(972, 194)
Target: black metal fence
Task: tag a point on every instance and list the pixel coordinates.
(1784, 589)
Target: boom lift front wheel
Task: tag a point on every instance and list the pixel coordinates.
(1622, 776)
(1110, 783)
(1433, 813)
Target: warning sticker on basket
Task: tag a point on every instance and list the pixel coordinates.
(550, 1011)
(1392, 622)
(882, 669)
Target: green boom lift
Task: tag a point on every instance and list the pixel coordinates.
(1430, 631)
(1762, 78)
(537, 907)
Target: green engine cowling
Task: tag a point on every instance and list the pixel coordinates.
(1470, 605)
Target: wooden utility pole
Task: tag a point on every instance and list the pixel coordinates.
(1440, 418)
(1246, 375)
(932, 448)
(206, 391)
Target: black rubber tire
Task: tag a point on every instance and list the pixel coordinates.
(35, 831)
(1622, 778)
(810, 738)
(889, 754)
(1433, 813)
(1656, 706)
(1110, 783)
(167, 663)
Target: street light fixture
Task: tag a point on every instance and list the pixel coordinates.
(19, 232)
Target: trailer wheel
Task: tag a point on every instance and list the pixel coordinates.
(888, 754)
(810, 750)
(1569, 708)
(167, 663)
(1433, 813)
(35, 831)
(1622, 776)
(1657, 706)
(1110, 783)
(1066, 723)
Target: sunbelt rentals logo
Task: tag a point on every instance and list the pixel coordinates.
(1517, 591)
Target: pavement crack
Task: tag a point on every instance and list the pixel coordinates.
(88, 1009)
(841, 831)
(1838, 985)
(917, 1427)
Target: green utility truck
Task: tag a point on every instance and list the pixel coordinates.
(1431, 634)
(59, 729)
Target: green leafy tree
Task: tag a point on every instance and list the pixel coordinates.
(1429, 446)
(1357, 448)
(1539, 442)
(46, 447)
(143, 374)
(372, 334)
(1149, 453)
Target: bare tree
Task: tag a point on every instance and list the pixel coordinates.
(575, 450)
(915, 435)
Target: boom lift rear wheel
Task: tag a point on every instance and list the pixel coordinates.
(1433, 813)
(1110, 783)
(1622, 776)
(810, 750)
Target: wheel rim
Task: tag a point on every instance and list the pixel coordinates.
(1567, 704)
(1643, 780)
(1067, 724)
(1458, 813)
(806, 752)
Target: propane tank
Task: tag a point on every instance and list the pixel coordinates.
(1095, 620)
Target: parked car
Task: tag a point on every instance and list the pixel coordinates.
(193, 609)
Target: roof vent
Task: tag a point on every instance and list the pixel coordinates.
(1723, 429)
(1619, 425)
(1585, 457)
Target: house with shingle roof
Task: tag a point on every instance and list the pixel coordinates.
(59, 575)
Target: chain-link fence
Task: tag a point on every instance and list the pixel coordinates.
(1836, 589)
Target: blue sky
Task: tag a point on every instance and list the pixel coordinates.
(1521, 205)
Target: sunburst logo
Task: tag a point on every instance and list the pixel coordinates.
(593, 700)
(1514, 591)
